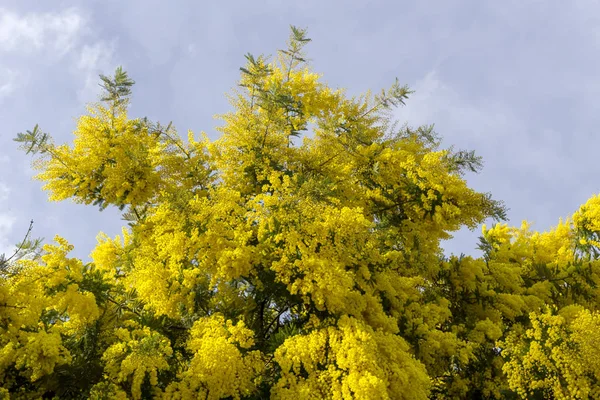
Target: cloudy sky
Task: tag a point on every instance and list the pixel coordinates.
(518, 81)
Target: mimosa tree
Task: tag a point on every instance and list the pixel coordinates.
(297, 256)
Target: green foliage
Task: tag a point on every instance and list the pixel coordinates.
(33, 142)
(117, 88)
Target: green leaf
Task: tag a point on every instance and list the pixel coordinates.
(34, 141)
(117, 89)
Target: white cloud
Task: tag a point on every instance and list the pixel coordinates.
(94, 55)
(6, 221)
(9, 81)
(191, 49)
(48, 36)
(459, 121)
(56, 35)
(429, 94)
(57, 31)
(4, 191)
(93, 60)
(508, 142)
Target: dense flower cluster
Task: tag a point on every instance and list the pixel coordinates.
(296, 257)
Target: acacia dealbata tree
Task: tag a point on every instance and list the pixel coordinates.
(295, 257)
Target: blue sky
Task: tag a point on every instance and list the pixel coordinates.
(517, 81)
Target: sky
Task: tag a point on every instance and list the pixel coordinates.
(516, 81)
